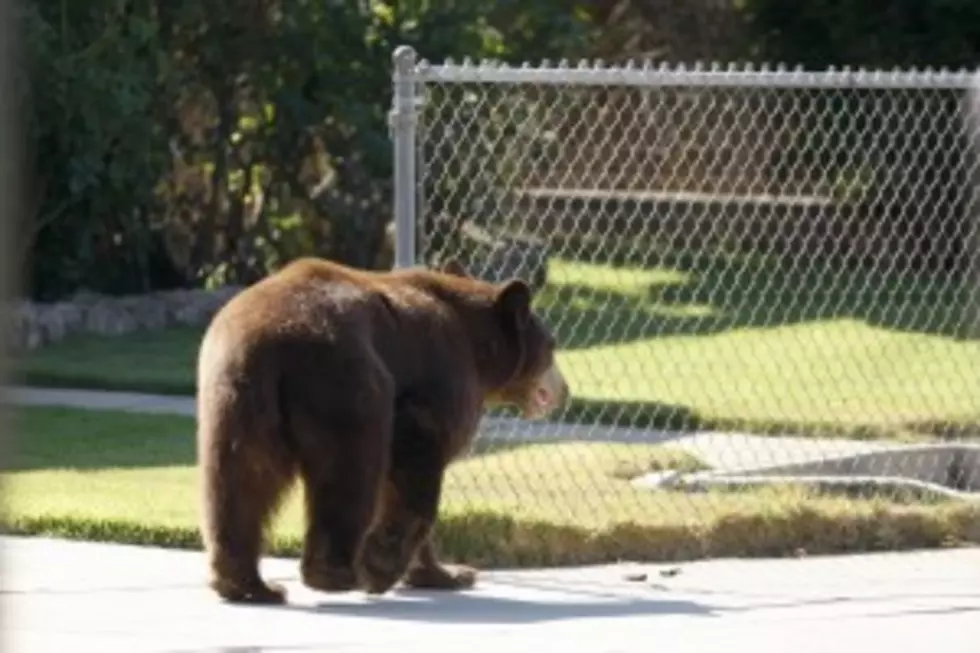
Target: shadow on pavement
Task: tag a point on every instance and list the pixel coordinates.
(475, 609)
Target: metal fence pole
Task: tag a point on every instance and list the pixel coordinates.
(403, 124)
(972, 120)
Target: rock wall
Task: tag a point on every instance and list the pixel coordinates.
(31, 325)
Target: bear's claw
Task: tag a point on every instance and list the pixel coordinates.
(442, 577)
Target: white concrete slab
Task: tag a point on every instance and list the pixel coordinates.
(71, 596)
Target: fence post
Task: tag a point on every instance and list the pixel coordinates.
(403, 122)
(972, 255)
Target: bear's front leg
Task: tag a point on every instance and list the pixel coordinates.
(388, 551)
(408, 511)
(426, 572)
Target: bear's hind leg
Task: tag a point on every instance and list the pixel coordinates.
(239, 499)
(342, 475)
(338, 514)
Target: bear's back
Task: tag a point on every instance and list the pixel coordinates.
(406, 317)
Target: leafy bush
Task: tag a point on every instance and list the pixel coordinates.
(95, 146)
(181, 142)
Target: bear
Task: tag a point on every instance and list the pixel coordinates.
(363, 386)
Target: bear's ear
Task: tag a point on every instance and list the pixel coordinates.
(454, 267)
(514, 301)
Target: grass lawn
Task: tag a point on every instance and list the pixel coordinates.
(743, 344)
(131, 478)
(711, 342)
(155, 361)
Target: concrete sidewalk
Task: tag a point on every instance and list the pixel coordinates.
(71, 596)
(730, 452)
(100, 400)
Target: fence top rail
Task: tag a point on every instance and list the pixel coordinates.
(648, 74)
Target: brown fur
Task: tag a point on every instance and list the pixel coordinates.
(365, 385)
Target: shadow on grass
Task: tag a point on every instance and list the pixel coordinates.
(719, 292)
(669, 420)
(95, 379)
(963, 430)
(650, 415)
(672, 419)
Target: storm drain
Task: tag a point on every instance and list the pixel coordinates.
(941, 470)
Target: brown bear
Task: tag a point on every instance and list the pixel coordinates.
(365, 385)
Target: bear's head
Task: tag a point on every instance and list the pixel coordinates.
(516, 350)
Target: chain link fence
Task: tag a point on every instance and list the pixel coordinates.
(765, 285)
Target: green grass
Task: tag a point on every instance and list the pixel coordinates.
(154, 361)
(131, 478)
(695, 342)
(749, 344)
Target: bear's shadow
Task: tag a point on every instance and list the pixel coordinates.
(474, 607)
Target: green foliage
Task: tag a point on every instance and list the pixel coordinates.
(906, 33)
(96, 148)
(814, 33)
(179, 142)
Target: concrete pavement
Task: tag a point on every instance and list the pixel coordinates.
(100, 400)
(70, 596)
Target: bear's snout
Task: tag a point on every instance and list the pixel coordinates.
(550, 392)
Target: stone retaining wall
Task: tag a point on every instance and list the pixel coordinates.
(32, 325)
